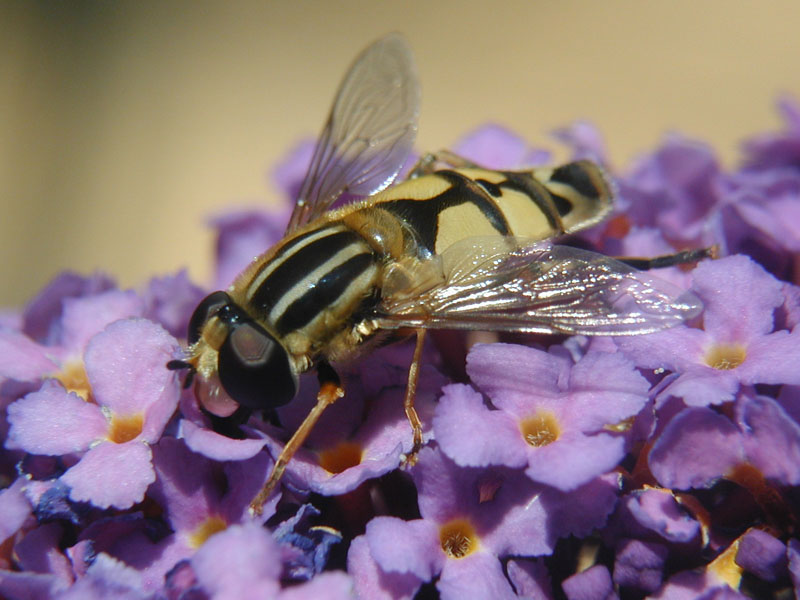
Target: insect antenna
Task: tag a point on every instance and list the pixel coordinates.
(177, 365)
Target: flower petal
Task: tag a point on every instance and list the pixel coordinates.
(739, 297)
(472, 435)
(232, 562)
(640, 565)
(111, 475)
(479, 575)
(592, 584)
(14, 508)
(23, 359)
(85, 317)
(218, 447)
(571, 462)
(374, 583)
(524, 369)
(126, 365)
(772, 439)
(772, 358)
(697, 447)
(762, 554)
(405, 546)
(54, 422)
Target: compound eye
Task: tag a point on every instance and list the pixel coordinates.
(204, 311)
(254, 369)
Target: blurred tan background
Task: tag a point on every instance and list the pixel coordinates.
(124, 125)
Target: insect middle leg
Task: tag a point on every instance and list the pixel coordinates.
(432, 161)
(411, 393)
(330, 390)
(669, 260)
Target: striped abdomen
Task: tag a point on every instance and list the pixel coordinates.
(448, 206)
(312, 283)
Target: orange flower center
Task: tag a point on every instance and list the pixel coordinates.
(125, 428)
(541, 429)
(341, 457)
(725, 357)
(74, 379)
(205, 530)
(458, 538)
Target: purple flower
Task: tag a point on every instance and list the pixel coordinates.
(495, 147)
(592, 584)
(737, 345)
(793, 556)
(370, 581)
(133, 396)
(245, 562)
(241, 237)
(199, 498)
(776, 150)
(14, 509)
(762, 554)
(656, 515)
(640, 565)
(553, 416)
(699, 445)
(288, 174)
(674, 190)
(106, 578)
(43, 316)
(530, 579)
(472, 518)
(61, 357)
(586, 141)
(171, 300)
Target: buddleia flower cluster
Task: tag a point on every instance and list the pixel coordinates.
(663, 465)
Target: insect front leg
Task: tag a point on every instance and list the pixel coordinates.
(669, 260)
(330, 390)
(432, 161)
(411, 393)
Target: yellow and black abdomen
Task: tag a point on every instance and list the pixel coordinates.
(451, 205)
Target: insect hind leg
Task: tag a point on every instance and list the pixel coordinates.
(669, 260)
(411, 393)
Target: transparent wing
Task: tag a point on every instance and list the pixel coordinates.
(505, 285)
(369, 132)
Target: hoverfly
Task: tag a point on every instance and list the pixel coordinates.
(455, 246)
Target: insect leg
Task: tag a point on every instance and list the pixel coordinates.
(669, 260)
(330, 390)
(430, 162)
(411, 393)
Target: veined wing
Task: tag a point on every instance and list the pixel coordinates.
(369, 132)
(506, 284)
